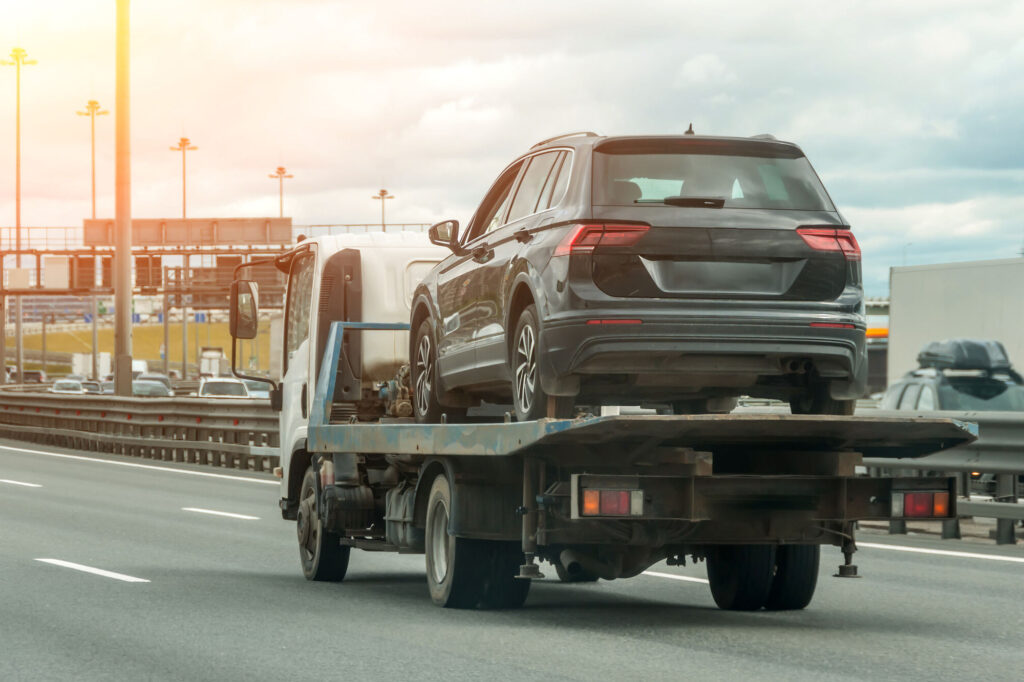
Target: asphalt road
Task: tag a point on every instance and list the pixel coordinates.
(225, 600)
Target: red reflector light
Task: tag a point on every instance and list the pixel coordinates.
(615, 502)
(918, 505)
(832, 325)
(585, 238)
(615, 321)
(831, 239)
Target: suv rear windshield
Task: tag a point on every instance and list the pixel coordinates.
(745, 174)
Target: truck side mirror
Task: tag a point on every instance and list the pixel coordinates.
(243, 319)
(446, 233)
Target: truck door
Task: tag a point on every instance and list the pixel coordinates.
(296, 384)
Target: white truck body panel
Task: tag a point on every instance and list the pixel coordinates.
(977, 299)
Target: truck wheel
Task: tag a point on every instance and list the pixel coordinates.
(323, 557)
(425, 389)
(818, 401)
(796, 576)
(504, 590)
(457, 570)
(740, 575)
(528, 398)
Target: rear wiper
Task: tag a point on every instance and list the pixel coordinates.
(695, 202)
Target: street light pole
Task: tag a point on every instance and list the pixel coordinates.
(123, 208)
(18, 59)
(280, 175)
(382, 196)
(184, 145)
(92, 110)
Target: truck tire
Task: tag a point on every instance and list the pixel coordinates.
(504, 590)
(457, 568)
(323, 558)
(425, 387)
(528, 397)
(740, 575)
(796, 576)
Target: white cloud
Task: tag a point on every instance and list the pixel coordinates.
(704, 69)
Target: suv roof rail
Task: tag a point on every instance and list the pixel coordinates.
(584, 133)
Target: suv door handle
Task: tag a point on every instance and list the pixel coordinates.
(523, 235)
(482, 254)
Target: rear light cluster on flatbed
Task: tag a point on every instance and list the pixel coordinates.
(597, 502)
(920, 505)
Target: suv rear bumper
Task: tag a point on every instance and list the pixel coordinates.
(700, 354)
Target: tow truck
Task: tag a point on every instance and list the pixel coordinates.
(755, 495)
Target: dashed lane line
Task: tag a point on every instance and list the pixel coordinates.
(213, 512)
(184, 472)
(95, 571)
(21, 483)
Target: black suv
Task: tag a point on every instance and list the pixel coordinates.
(961, 375)
(678, 271)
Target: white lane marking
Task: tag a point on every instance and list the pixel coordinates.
(94, 571)
(673, 576)
(186, 472)
(220, 513)
(943, 552)
(27, 485)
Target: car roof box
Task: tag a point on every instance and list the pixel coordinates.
(965, 354)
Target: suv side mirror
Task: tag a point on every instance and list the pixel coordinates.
(446, 233)
(243, 318)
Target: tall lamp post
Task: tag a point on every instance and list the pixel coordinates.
(383, 196)
(184, 145)
(92, 110)
(280, 175)
(18, 59)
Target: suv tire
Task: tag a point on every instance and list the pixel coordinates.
(528, 397)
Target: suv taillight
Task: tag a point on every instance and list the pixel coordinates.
(586, 237)
(831, 239)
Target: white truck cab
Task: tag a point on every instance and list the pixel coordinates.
(367, 277)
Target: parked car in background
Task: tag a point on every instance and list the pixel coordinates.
(76, 377)
(107, 387)
(92, 387)
(682, 270)
(257, 389)
(960, 375)
(33, 376)
(222, 387)
(150, 389)
(156, 376)
(69, 386)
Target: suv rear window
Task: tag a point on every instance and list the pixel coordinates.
(746, 174)
(981, 394)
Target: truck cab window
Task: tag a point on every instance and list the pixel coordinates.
(300, 290)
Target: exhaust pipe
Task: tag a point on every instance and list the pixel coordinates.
(575, 563)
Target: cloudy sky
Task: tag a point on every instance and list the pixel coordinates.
(912, 111)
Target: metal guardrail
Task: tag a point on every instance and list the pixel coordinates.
(239, 434)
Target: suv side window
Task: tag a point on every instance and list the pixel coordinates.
(491, 214)
(531, 185)
(557, 182)
(927, 399)
(909, 397)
